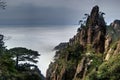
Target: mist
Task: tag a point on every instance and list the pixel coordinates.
(40, 38)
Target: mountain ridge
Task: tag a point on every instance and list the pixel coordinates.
(87, 51)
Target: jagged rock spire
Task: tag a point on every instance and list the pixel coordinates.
(95, 18)
(96, 30)
(90, 39)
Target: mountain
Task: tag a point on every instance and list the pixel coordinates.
(89, 55)
(61, 46)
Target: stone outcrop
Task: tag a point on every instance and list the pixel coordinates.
(93, 32)
(93, 38)
(96, 30)
(116, 25)
(111, 43)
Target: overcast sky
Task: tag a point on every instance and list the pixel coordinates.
(55, 12)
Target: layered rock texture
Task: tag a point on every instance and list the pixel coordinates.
(93, 45)
(112, 43)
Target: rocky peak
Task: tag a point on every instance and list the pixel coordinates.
(90, 39)
(93, 32)
(116, 25)
(93, 18)
(113, 30)
(96, 30)
(112, 46)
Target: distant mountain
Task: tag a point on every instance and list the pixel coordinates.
(92, 54)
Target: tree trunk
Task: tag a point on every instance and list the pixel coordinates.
(17, 61)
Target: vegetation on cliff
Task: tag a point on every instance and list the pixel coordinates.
(92, 54)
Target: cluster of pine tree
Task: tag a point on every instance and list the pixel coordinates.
(18, 63)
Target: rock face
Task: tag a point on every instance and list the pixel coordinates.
(93, 44)
(112, 39)
(96, 30)
(116, 25)
(93, 33)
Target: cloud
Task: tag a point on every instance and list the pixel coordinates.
(57, 12)
(30, 14)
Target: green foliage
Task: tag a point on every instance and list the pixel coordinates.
(8, 69)
(97, 60)
(113, 45)
(68, 59)
(23, 54)
(108, 70)
(92, 76)
(112, 32)
(32, 77)
(90, 49)
(7, 66)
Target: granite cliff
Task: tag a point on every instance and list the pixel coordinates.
(85, 55)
